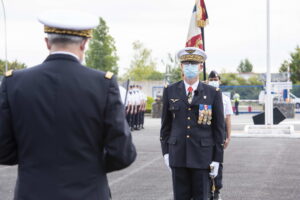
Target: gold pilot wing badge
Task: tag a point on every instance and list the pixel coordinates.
(174, 100)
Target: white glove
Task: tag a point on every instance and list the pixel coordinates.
(166, 158)
(214, 168)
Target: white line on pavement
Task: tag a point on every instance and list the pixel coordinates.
(135, 171)
(267, 135)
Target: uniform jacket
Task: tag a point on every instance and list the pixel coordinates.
(64, 125)
(188, 143)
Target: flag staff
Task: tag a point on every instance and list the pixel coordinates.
(203, 43)
(269, 99)
(5, 35)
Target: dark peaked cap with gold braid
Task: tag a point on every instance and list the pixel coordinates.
(68, 22)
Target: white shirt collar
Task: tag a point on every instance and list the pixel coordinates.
(65, 52)
(194, 86)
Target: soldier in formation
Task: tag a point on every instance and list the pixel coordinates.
(136, 107)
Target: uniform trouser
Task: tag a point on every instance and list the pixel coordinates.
(140, 117)
(143, 117)
(190, 183)
(128, 116)
(219, 178)
(236, 105)
(136, 117)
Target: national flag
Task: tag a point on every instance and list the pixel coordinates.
(198, 20)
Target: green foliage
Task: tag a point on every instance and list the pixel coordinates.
(142, 66)
(11, 65)
(245, 92)
(149, 102)
(101, 53)
(294, 66)
(175, 75)
(245, 66)
(173, 71)
(232, 79)
(296, 90)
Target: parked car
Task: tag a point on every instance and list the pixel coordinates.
(279, 98)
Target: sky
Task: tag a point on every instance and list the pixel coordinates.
(236, 30)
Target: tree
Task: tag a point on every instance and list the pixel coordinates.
(101, 53)
(173, 71)
(142, 66)
(245, 66)
(294, 66)
(11, 65)
(232, 81)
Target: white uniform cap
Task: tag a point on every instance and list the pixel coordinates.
(192, 54)
(68, 22)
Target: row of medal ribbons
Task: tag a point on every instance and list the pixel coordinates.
(205, 114)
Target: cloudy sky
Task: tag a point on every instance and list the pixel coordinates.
(237, 29)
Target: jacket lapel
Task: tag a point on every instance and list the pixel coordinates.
(198, 95)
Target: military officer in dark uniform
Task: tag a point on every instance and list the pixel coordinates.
(192, 129)
(61, 122)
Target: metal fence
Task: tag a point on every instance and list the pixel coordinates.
(249, 97)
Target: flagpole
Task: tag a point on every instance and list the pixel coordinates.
(5, 35)
(204, 64)
(269, 99)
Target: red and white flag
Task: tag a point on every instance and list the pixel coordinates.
(199, 20)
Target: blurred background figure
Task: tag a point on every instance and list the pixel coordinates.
(236, 98)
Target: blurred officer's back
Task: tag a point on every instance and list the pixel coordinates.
(61, 122)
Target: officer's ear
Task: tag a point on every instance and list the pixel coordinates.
(47, 43)
(83, 44)
(200, 66)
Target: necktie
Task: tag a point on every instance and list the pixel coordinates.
(190, 94)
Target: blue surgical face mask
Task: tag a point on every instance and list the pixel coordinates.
(214, 83)
(190, 70)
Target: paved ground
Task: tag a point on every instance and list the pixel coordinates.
(255, 169)
(239, 122)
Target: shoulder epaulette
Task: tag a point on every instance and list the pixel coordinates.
(9, 73)
(109, 75)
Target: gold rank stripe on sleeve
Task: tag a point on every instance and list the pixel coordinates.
(9, 73)
(109, 75)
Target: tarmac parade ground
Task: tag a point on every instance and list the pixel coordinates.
(254, 168)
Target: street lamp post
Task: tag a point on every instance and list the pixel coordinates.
(269, 99)
(5, 35)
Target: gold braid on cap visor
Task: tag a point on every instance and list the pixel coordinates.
(82, 33)
(192, 57)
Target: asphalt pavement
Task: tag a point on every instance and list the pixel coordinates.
(254, 169)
